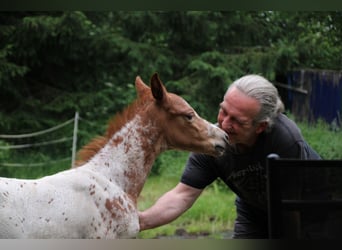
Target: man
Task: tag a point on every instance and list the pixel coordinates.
(251, 114)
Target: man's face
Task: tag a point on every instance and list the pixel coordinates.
(236, 117)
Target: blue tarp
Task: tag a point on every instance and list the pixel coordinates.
(323, 99)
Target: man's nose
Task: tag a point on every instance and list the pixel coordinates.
(226, 123)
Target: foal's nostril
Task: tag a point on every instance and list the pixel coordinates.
(226, 138)
(219, 149)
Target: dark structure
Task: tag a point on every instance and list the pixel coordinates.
(311, 94)
(304, 198)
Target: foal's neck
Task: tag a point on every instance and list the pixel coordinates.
(128, 156)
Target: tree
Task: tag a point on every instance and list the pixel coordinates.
(53, 63)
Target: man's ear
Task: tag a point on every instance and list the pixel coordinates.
(262, 126)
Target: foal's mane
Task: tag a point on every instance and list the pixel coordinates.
(115, 124)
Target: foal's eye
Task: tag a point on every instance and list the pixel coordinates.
(189, 116)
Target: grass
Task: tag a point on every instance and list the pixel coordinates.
(26, 171)
(212, 213)
(323, 138)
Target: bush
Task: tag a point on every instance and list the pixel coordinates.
(170, 163)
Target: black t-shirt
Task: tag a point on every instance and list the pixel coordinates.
(245, 174)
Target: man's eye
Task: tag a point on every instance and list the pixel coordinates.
(236, 121)
(222, 112)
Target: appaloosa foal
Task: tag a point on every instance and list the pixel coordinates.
(98, 198)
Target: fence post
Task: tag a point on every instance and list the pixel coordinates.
(74, 140)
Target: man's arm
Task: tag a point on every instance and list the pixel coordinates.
(169, 206)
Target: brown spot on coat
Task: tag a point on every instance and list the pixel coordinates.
(114, 206)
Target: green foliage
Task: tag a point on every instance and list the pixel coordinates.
(4, 153)
(37, 156)
(32, 171)
(325, 141)
(306, 40)
(170, 163)
(55, 63)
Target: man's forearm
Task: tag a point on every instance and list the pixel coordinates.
(161, 213)
(169, 207)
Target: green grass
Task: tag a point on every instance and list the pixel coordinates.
(212, 213)
(32, 163)
(325, 140)
(48, 166)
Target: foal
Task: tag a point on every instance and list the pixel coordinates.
(97, 199)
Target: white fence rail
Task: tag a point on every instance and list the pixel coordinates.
(39, 132)
(44, 143)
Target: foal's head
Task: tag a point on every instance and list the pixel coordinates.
(181, 126)
(177, 123)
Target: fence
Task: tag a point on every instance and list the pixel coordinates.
(63, 139)
(312, 94)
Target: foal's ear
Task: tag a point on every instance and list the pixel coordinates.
(157, 87)
(141, 87)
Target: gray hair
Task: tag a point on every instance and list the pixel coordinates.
(265, 93)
